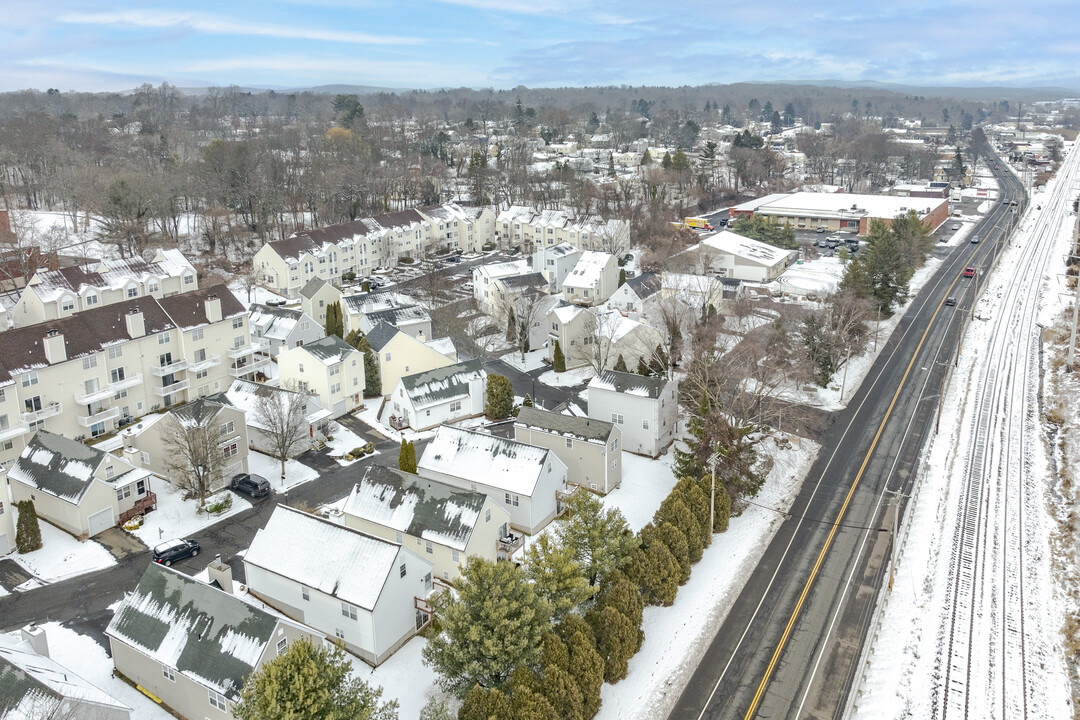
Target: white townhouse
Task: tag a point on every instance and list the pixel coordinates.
(459, 227)
(442, 523)
(443, 395)
(636, 294)
(7, 521)
(275, 328)
(485, 291)
(193, 645)
(526, 479)
(357, 588)
(644, 408)
(329, 368)
(521, 225)
(244, 395)
(555, 262)
(598, 337)
(590, 448)
(363, 311)
(101, 369)
(592, 281)
(54, 294)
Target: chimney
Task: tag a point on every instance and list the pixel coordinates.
(35, 637)
(129, 439)
(131, 455)
(136, 327)
(55, 350)
(213, 309)
(222, 573)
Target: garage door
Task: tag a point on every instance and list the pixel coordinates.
(5, 545)
(100, 522)
(339, 408)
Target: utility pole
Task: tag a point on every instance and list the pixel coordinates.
(894, 501)
(713, 459)
(843, 384)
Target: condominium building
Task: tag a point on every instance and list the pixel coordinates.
(522, 225)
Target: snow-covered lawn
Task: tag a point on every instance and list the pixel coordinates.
(61, 557)
(645, 484)
(370, 417)
(176, 517)
(533, 360)
(404, 678)
(676, 637)
(296, 473)
(570, 378)
(250, 296)
(344, 441)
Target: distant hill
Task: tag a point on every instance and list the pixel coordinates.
(318, 90)
(977, 92)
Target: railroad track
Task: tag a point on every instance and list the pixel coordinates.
(982, 669)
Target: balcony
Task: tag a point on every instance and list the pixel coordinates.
(209, 362)
(99, 417)
(172, 389)
(505, 547)
(13, 431)
(241, 351)
(248, 368)
(163, 370)
(50, 410)
(129, 382)
(90, 398)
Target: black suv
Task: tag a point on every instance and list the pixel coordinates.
(172, 551)
(253, 485)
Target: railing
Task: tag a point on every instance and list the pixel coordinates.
(46, 412)
(248, 368)
(13, 431)
(128, 382)
(106, 414)
(209, 362)
(163, 370)
(90, 398)
(142, 506)
(241, 351)
(507, 546)
(171, 389)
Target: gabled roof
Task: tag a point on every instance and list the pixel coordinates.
(329, 350)
(197, 412)
(107, 274)
(375, 301)
(333, 559)
(484, 459)
(203, 633)
(747, 248)
(589, 268)
(583, 428)
(503, 269)
(32, 685)
(272, 321)
(59, 466)
(244, 395)
(188, 310)
(443, 346)
(23, 696)
(531, 280)
(629, 383)
(440, 385)
(416, 506)
(311, 287)
(380, 335)
(399, 315)
(644, 285)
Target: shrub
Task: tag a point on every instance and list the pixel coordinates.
(218, 507)
(487, 246)
(500, 397)
(27, 533)
(558, 360)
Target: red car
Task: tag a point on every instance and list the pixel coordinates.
(969, 272)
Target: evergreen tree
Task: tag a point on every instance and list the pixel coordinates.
(675, 540)
(557, 575)
(620, 593)
(615, 638)
(622, 277)
(687, 507)
(599, 538)
(511, 325)
(403, 457)
(558, 360)
(527, 401)
(310, 682)
(27, 531)
(365, 286)
(620, 365)
(658, 364)
(523, 338)
(500, 398)
(642, 368)
(372, 379)
(411, 454)
(495, 623)
(335, 322)
(646, 158)
(561, 692)
(656, 569)
(665, 162)
(436, 709)
(588, 668)
(886, 269)
(485, 704)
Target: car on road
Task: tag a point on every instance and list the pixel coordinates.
(969, 271)
(950, 301)
(467, 286)
(974, 239)
(172, 551)
(453, 259)
(254, 485)
(1013, 202)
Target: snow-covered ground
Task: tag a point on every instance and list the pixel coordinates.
(1018, 667)
(61, 557)
(534, 360)
(176, 517)
(370, 417)
(296, 473)
(570, 378)
(344, 441)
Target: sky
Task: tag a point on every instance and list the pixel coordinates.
(96, 46)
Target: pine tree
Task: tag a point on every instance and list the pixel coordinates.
(557, 575)
(599, 538)
(642, 368)
(659, 573)
(511, 326)
(620, 365)
(675, 510)
(646, 158)
(675, 541)
(615, 640)
(588, 668)
(27, 531)
(335, 322)
(500, 397)
(310, 682)
(403, 457)
(436, 709)
(622, 277)
(484, 704)
(495, 623)
(558, 360)
(527, 401)
(523, 338)
(561, 691)
(658, 364)
(723, 509)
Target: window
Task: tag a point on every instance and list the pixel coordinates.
(91, 299)
(614, 444)
(238, 342)
(429, 548)
(644, 424)
(140, 487)
(455, 406)
(617, 418)
(229, 451)
(4, 422)
(335, 388)
(387, 357)
(507, 500)
(402, 569)
(227, 428)
(90, 361)
(348, 610)
(29, 379)
(427, 581)
(455, 555)
(301, 367)
(282, 644)
(117, 375)
(338, 632)
(167, 673)
(163, 338)
(116, 351)
(145, 457)
(569, 442)
(152, 287)
(517, 498)
(110, 472)
(200, 374)
(218, 700)
(133, 292)
(197, 334)
(237, 323)
(200, 355)
(67, 304)
(487, 515)
(421, 618)
(305, 593)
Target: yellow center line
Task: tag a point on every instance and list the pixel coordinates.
(836, 523)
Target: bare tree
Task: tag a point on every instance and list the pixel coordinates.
(193, 457)
(282, 417)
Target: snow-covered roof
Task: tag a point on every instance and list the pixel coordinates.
(398, 316)
(566, 313)
(244, 395)
(329, 350)
(433, 387)
(333, 559)
(747, 248)
(108, 274)
(59, 466)
(644, 285)
(754, 204)
(376, 301)
(197, 412)
(476, 457)
(688, 282)
(416, 506)
(272, 321)
(588, 270)
(32, 685)
(503, 269)
(582, 428)
(629, 383)
(201, 632)
(849, 205)
(557, 251)
(443, 346)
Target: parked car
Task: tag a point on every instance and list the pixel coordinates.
(254, 485)
(453, 259)
(820, 229)
(172, 551)
(954, 226)
(950, 301)
(467, 286)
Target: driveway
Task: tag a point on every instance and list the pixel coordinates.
(120, 543)
(361, 428)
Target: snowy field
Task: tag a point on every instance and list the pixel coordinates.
(176, 517)
(61, 557)
(900, 678)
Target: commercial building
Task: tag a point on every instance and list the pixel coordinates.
(843, 211)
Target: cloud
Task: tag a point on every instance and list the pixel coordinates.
(216, 25)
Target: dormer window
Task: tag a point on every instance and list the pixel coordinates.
(188, 278)
(67, 303)
(91, 299)
(133, 292)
